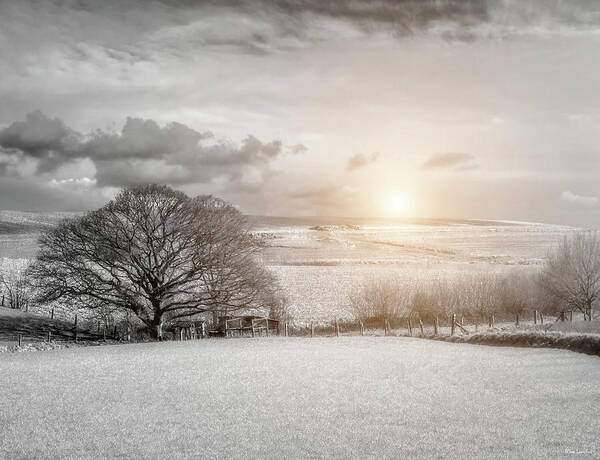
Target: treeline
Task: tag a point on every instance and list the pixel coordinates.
(569, 280)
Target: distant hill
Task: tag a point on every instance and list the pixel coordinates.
(310, 221)
(19, 231)
(18, 222)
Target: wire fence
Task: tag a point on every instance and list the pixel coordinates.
(59, 328)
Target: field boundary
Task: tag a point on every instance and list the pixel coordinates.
(581, 343)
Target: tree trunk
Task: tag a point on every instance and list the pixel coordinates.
(588, 311)
(156, 329)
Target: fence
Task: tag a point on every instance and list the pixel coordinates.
(414, 326)
(35, 328)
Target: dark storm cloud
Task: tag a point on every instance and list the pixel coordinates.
(280, 25)
(406, 17)
(40, 137)
(360, 160)
(455, 160)
(136, 31)
(142, 139)
(142, 152)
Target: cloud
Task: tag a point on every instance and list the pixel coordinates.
(329, 197)
(454, 160)
(360, 160)
(38, 136)
(142, 152)
(463, 20)
(297, 149)
(579, 200)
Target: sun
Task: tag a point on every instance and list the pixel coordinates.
(398, 204)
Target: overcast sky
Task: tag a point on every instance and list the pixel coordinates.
(476, 109)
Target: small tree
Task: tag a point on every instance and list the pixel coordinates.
(432, 298)
(571, 275)
(380, 299)
(158, 254)
(479, 295)
(515, 294)
(15, 287)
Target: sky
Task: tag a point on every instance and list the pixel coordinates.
(464, 109)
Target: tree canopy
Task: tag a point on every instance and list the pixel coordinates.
(571, 275)
(157, 253)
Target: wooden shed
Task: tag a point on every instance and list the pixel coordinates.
(248, 326)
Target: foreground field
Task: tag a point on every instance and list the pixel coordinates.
(349, 397)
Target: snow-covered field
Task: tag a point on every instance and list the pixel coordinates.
(318, 260)
(352, 397)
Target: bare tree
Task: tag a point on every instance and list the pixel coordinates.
(381, 299)
(516, 293)
(15, 288)
(432, 298)
(478, 296)
(157, 253)
(571, 275)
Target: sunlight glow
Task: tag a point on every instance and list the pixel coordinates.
(398, 204)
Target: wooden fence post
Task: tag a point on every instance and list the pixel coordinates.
(49, 336)
(335, 325)
(52, 314)
(421, 326)
(20, 338)
(571, 316)
(267, 329)
(2, 299)
(287, 332)
(517, 320)
(452, 323)
(409, 326)
(435, 326)
(104, 333)
(76, 337)
(312, 329)
(362, 328)
(115, 332)
(534, 316)
(541, 318)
